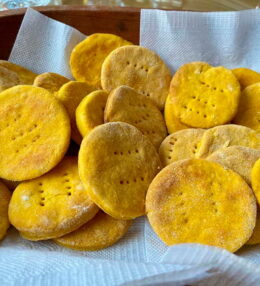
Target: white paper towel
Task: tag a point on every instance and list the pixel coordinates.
(44, 45)
(231, 39)
(140, 258)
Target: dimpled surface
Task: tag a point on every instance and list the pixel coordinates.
(51, 81)
(88, 56)
(126, 105)
(52, 205)
(139, 68)
(255, 177)
(226, 136)
(34, 132)
(101, 232)
(204, 96)
(180, 145)
(5, 196)
(172, 122)
(90, 112)
(249, 108)
(246, 76)
(12, 74)
(237, 158)
(71, 94)
(116, 165)
(197, 201)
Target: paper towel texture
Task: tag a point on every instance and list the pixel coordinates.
(44, 45)
(231, 39)
(140, 258)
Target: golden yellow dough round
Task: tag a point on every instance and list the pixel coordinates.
(71, 94)
(5, 196)
(203, 96)
(52, 205)
(237, 158)
(255, 238)
(139, 68)
(183, 144)
(116, 165)
(12, 74)
(90, 111)
(197, 201)
(34, 132)
(249, 108)
(126, 105)
(99, 233)
(88, 56)
(172, 122)
(50, 81)
(255, 178)
(225, 136)
(246, 76)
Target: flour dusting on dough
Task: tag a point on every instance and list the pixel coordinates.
(80, 187)
(25, 198)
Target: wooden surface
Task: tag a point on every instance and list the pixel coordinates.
(87, 19)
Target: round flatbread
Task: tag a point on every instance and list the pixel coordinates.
(71, 94)
(255, 178)
(249, 108)
(237, 158)
(225, 136)
(126, 105)
(139, 68)
(116, 164)
(172, 122)
(99, 233)
(183, 144)
(50, 81)
(255, 238)
(246, 76)
(203, 96)
(52, 205)
(197, 201)
(88, 56)
(34, 132)
(5, 196)
(12, 74)
(90, 111)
